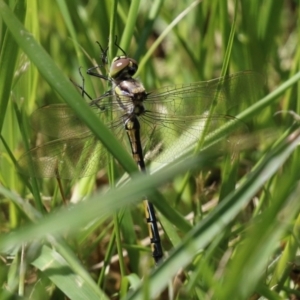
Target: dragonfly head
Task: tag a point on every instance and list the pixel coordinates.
(122, 68)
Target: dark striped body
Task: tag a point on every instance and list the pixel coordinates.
(130, 94)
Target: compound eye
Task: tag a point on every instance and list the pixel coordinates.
(123, 66)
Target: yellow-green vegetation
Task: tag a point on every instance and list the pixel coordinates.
(228, 208)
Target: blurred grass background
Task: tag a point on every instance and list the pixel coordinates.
(241, 238)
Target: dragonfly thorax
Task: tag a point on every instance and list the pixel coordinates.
(130, 95)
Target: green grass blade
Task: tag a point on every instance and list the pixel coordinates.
(59, 272)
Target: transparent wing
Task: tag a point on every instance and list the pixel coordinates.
(181, 111)
(75, 152)
(64, 158)
(164, 105)
(171, 112)
(224, 93)
(60, 121)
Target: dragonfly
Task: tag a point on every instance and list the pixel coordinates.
(159, 125)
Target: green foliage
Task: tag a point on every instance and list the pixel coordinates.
(229, 211)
